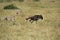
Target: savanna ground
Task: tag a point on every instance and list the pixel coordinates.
(46, 29)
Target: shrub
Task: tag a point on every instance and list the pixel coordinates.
(5, 1)
(8, 0)
(36, 0)
(10, 7)
(21, 0)
(1, 0)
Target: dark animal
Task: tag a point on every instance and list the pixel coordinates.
(34, 18)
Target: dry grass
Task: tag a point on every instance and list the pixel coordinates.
(46, 29)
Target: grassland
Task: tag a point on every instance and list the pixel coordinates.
(46, 29)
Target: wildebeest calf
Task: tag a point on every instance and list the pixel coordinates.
(34, 18)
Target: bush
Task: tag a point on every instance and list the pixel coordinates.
(36, 0)
(21, 0)
(8, 0)
(10, 7)
(1, 0)
(5, 1)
